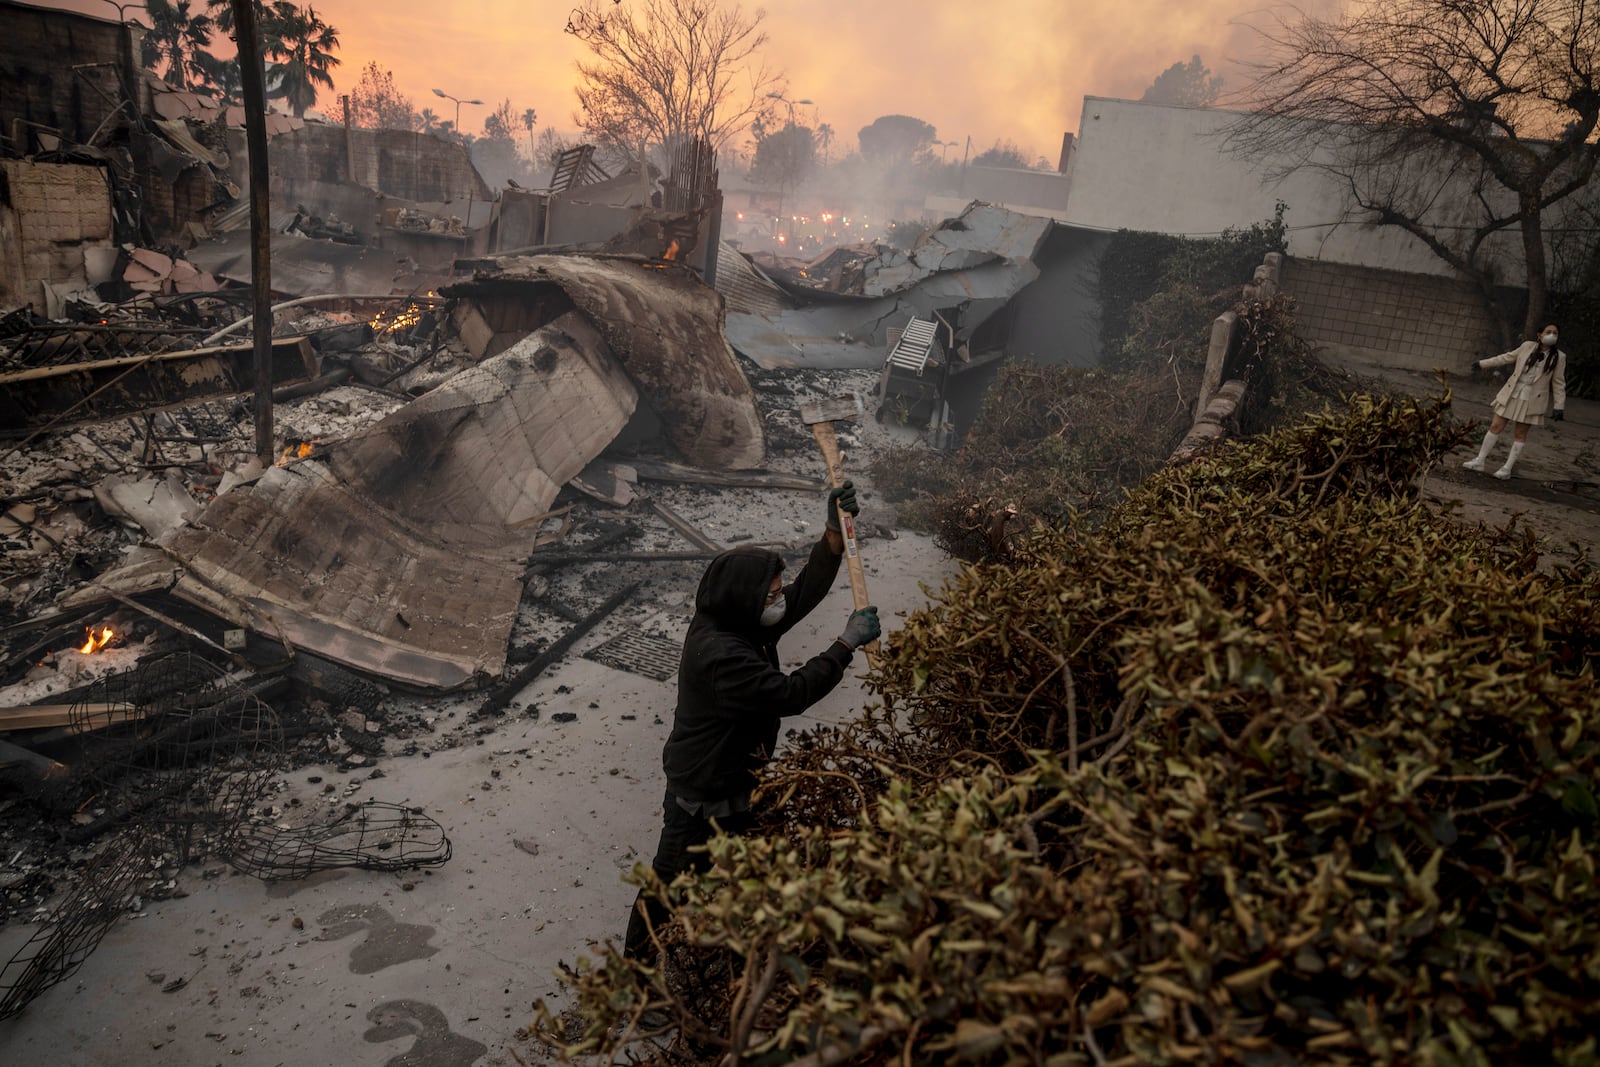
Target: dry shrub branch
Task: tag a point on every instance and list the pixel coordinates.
(1054, 443)
(1273, 765)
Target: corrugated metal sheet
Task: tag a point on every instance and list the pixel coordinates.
(399, 554)
(664, 325)
(745, 288)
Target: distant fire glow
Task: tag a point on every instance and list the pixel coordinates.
(96, 641)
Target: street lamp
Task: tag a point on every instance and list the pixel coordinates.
(791, 103)
(784, 99)
(457, 124)
(944, 147)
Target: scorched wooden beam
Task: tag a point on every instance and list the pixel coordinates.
(76, 393)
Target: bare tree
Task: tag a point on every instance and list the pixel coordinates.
(549, 148)
(1453, 120)
(668, 70)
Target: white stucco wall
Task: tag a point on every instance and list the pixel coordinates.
(1164, 169)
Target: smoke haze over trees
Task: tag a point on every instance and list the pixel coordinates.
(377, 103)
(784, 157)
(1188, 84)
(895, 139)
(1003, 154)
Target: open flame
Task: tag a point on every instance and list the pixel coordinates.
(401, 319)
(293, 452)
(96, 641)
(672, 251)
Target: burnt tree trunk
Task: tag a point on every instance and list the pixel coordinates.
(1538, 274)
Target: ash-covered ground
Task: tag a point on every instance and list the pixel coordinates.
(547, 800)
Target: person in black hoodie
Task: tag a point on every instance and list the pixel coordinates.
(732, 694)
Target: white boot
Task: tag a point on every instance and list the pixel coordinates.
(1511, 461)
(1476, 462)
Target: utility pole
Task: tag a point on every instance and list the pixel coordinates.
(252, 78)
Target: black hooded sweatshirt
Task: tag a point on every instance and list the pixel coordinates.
(731, 693)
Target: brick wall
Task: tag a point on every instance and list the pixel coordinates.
(52, 211)
(1419, 319)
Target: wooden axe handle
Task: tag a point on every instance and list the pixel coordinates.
(823, 431)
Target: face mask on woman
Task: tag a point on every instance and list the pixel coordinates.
(773, 613)
(1549, 339)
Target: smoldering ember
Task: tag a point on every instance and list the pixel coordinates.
(1199, 666)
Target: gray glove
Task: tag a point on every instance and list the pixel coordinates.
(844, 497)
(862, 628)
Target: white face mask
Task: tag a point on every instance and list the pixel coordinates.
(1549, 338)
(774, 612)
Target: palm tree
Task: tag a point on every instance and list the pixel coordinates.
(303, 46)
(221, 77)
(824, 139)
(428, 120)
(222, 14)
(179, 38)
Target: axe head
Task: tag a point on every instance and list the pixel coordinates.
(834, 409)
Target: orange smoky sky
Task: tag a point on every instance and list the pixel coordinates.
(1005, 70)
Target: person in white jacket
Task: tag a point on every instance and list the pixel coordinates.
(1537, 386)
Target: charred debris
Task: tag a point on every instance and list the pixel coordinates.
(496, 414)
(467, 487)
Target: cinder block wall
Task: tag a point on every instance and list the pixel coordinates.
(55, 210)
(397, 163)
(1417, 319)
(62, 69)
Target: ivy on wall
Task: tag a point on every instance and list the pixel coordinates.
(1154, 286)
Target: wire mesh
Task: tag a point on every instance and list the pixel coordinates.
(374, 836)
(187, 756)
(62, 942)
(192, 751)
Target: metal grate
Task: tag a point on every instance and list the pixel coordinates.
(637, 653)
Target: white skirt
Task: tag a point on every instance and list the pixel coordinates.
(1517, 409)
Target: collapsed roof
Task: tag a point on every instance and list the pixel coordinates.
(400, 552)
(663, 325)
(974, 263)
